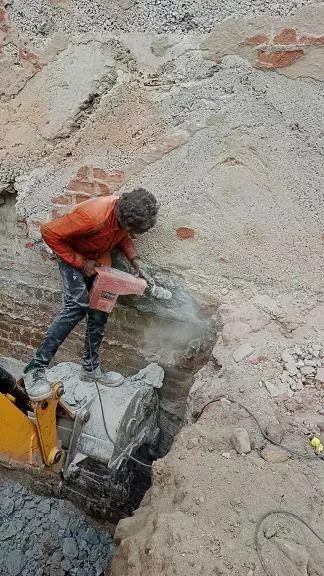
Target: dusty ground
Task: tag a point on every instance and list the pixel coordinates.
(201, 513)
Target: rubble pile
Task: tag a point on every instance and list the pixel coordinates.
(302, 365)
(48, 537)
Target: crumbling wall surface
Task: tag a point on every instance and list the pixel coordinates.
(225, 128)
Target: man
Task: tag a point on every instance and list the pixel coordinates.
(82, 240)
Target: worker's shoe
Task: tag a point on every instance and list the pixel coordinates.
(98, 375)
(36, 384)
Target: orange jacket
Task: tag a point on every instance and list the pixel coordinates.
(89, 231)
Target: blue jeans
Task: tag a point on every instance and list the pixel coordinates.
(76, 289)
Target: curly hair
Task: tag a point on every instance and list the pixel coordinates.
(137, 210)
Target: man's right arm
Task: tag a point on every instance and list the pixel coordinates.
(58, 233)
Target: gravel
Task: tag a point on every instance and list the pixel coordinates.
(37, 19)
(302, 365)
(48, 537)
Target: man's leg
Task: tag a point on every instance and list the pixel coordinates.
(75, 308)
(96, 322)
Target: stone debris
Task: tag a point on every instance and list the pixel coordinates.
(278, 388)
(274, 455)
(226, 455)
(274, 432)
(319, 376)
(241, 441)
(42, 536)
(135, 16)
(302, 365)
(242, 352)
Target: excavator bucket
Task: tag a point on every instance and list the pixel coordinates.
(95, 439)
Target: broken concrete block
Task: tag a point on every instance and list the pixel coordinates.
(153, 375)
(241, 441)
(242, 352)
(274, 455)
(290, 363)
(278, 388)
(307, 370)
(320, 376)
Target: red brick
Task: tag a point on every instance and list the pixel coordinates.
(57, 213)
(38, 68)
(115, 176)
(185, 233)
(78, 186)
(311, 40)
(103, 189)
(100, 174)
(28, 55)
(271, 60)
(62, 199)
(30, 245)
(82, 198)
(258, 39)
(83, 172)
(286, 36)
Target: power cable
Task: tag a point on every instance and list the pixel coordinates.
(149, 466)
(264, 434)
(258, 529)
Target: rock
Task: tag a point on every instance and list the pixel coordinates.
(242, 352)
(296, 386)
(320, 376)
(44, 507)
(70, 548)
(7, 506)
(274, 432)
(91, 537)
(66, 564)
(15, 563)
(152, 375)
(290, 363)
(226, 455)
(307, 370)
(278, 388)
(241, 441)
(274, 455)
(10, 532)
(310, 363)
